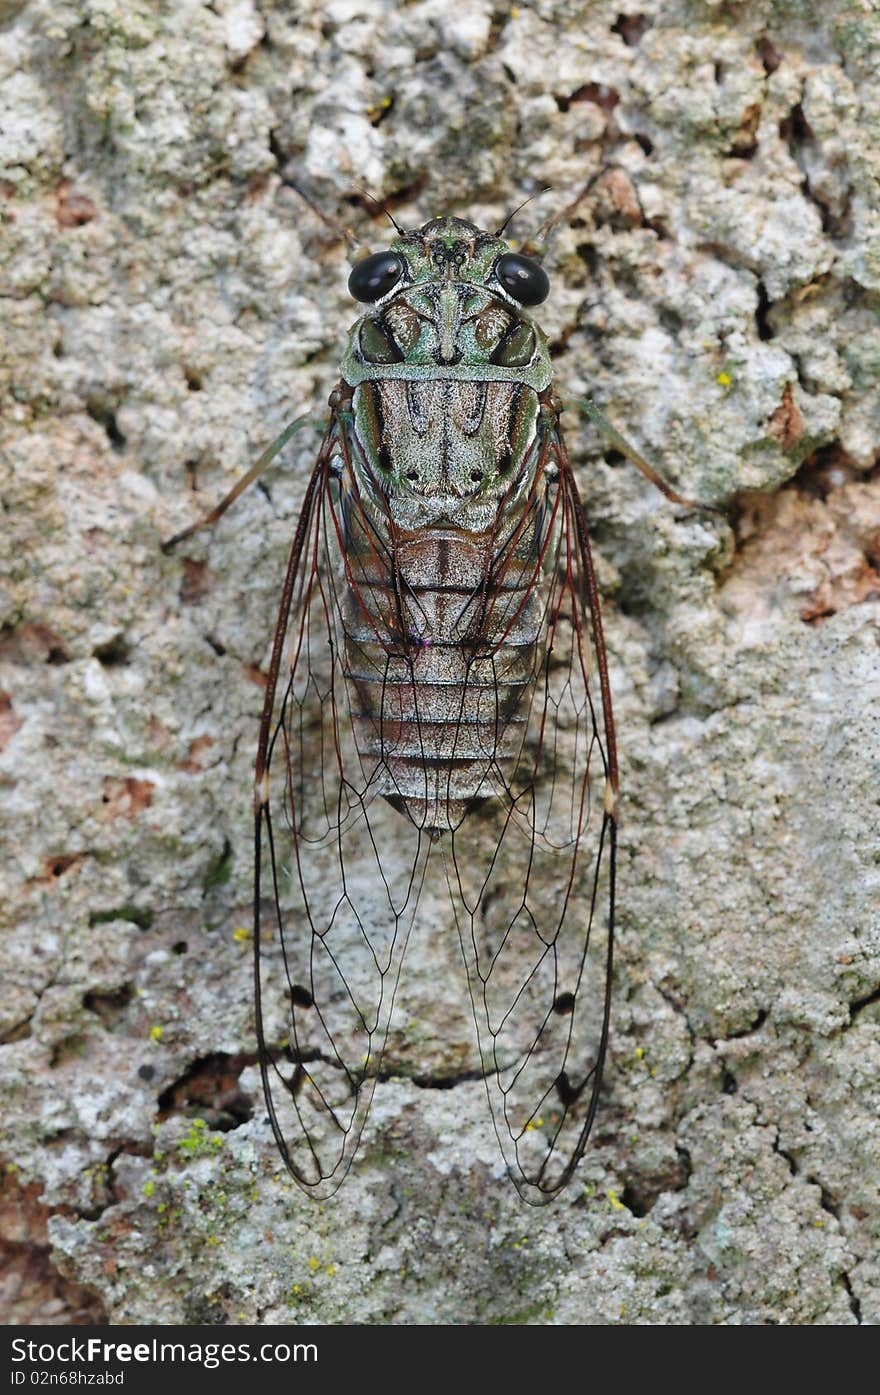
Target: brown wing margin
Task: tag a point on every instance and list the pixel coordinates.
(331, 916)
(533, 888)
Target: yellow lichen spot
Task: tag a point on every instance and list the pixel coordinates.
(156, 1032)
(640, 1051)
(314, 1264)
(199, 1141)
(820, 1225)
(331, 1270)
(623, 1310)
(296, 1288)
(149, 1188)
(723, 378)
(212, 1240)
(653, 1071)
(241, 934)
(373, 114)
(616, 1203)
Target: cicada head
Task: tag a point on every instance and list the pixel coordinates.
(448, 296)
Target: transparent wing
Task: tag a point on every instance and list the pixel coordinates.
(531, 870)
(338, 870)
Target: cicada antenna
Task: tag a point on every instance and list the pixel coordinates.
(510, 217)
(379, 205)
(393, 221)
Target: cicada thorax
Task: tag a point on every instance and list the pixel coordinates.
(443, 616)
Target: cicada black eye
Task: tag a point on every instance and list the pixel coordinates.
(523, 278)
(375, 276)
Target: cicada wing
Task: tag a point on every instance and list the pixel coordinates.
(338, 871)
(531, 874)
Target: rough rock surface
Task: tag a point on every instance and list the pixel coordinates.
(169, 299)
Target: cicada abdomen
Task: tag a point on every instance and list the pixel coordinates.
(438, 693)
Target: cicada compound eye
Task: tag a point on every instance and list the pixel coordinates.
(375, 276)
(523, 278)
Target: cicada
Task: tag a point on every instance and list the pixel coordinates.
(438, 713)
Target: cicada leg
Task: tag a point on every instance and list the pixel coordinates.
(244, 483)
(589, 409)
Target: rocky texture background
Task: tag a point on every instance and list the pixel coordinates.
(169, 301)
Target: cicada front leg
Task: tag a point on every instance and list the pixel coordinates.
(252, 475)
(589, 409)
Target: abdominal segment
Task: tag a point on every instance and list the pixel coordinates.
(441, 669)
